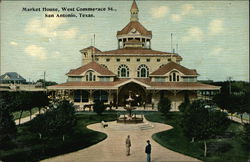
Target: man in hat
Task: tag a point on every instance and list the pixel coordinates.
(148, 151)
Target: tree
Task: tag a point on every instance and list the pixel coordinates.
(23, 101)
(56, 121)
(47, 83)
(99, 107)
(246, 136)
(185, 105)
(40, 100)
(7, 126)
(164, 105)
(202, 123)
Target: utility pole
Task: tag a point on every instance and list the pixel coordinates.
(229, 81)
(44, 79)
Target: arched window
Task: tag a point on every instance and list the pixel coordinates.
(162, 65)
(104, 66)
(174, 76)
(123, 71)
(90, 76)
(142, 71)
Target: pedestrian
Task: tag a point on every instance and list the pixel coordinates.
(128, 145)
(148, 151)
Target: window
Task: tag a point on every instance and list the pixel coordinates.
(123, 71)
(74, 79)
(169, 59)
(100, 96)
(159, 79)
(174, 77)
(138, 60)
(104, 79)
(90, 76)
(85, 96)
(104, 66)
(107, 59)
(97, 59)
(162, 65)
(158, 60)
(128, 60)
(148, 60)
(118, 60)
(142, 71)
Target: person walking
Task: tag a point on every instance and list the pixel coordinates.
(148, 151)
(128, 145)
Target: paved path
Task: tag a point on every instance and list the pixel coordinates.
(113, 148)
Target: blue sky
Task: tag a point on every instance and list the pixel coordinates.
(212, 36)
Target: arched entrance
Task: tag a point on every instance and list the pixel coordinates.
(137, 93)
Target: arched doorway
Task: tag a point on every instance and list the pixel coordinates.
(137, 93)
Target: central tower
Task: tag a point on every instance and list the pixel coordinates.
(134, 35)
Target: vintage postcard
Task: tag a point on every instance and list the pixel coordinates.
(132, 57)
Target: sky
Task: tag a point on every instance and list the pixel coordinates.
(212, 36)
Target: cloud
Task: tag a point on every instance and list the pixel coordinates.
(13, 43)
(55, 54)
(216, 51)
(49, 28)
(186, 9)
(36, 51)
(176, 17)
(216, 26)
(68, 34)
(159, 12)
(193, 34)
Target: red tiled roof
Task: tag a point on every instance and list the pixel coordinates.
(134, 50)
(178, 85)
(133, 41)
(152, 85)
(93, 48)
(134, 6)
(92, 65)
(172, 65)
(138, 26)
(87, 85)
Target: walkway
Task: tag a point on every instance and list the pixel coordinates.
(113, 148)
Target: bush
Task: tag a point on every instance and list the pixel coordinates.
(7, 126)
(99, 107)
(185, 105)
(164, 105)
(57, 121)
(246, 136)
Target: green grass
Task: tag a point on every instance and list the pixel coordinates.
(25, 113)
(174, 139)
(30, 148)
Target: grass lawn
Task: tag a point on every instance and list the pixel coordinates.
(25, 113)
(29, 147)
(219, 150)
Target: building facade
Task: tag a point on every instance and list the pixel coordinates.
(133, 68)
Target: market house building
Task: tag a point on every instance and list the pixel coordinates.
(133, 67)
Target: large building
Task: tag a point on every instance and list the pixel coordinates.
(133, 68)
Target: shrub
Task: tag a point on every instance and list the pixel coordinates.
(57, 121)
(164, 105)
(99, 107)
(7, 126)
(185, 104)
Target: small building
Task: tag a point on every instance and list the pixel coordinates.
(12, 77)
(133, 68)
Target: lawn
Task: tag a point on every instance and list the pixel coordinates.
(227, 148)
(16, 114)
(29, 147)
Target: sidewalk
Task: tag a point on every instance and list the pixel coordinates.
(113, 148)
